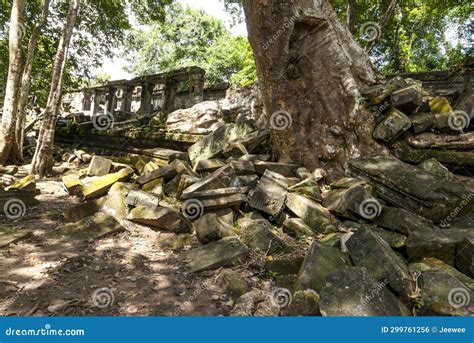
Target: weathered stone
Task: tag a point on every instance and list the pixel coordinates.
(303, 173)
(443, 294)
(284, 169)
(347, 182)
(395, 240)
(245, 181)
(228, 201)
(397, 219)
(269, 196)
(72, 183)
(304, 303)
(183, 167)
(234, 283)
(101, 185)
(440, 105)
(26, 184)
(392, 126)
(215, 255)
(320, 262)
(380, 92)
(221, 178)
(368, 249)
(465, 257)
(434, 167)
(254, 304)
(210, 228)
(258, 235)
(354, 292)
(308, 187)
(204, 166)
(409, 98)
(216, 142)
(94, 227)
(166, 172)
(312, 213)
(160, 218)
(428, 122)
(242, 167)
(433, 264)
(284, 266)
(441, 244)
(11, 236)
(99, 166)
(296, 227)
(142, 198)
(154, 187)
(412, 188)
(215, 193)
(83, 156)
(352, 203)
(332, 240)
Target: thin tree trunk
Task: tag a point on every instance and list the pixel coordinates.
(9, 118)
(351, 13)
(383, 23)
(17, 150)
(42, 163)
(311, 71)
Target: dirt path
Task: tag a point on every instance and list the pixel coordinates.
(132, 273)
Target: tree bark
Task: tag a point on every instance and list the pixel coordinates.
(9, 117)
(351, 14)
(17, 149)
(43, 162)
(383, 23)
(311, 72)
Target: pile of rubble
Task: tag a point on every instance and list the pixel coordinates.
(391, 238)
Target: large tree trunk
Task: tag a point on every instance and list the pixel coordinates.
(9, 117)
(311, 72)
(43, 162)
(17, 149)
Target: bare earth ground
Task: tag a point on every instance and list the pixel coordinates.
(44, 275)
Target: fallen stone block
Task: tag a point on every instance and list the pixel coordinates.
(101, 185)
(320, 262)
(295, 227)
(284, 169)
(242, 167)
(441, 244)
(465, 257)
(26, 184)
(368, 249)
(99, 166)
(440, 105)
(303, 173)
(160, 218)
(400, 220)
(142, 198)
(221, 178)
(392, 126)
(209, 166)
(412, 188)
(215, 193)
(229, 201)
(234, 283)
(258, 235)
(215, 255)
(72, 183)
(269, 196)
(245, 181)
(408, 99)
(308, 187)
(166, 172)
(210, 227)
(352, 203)
(93, 227)
(354, 292)
(304, 303)
(312, 213)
